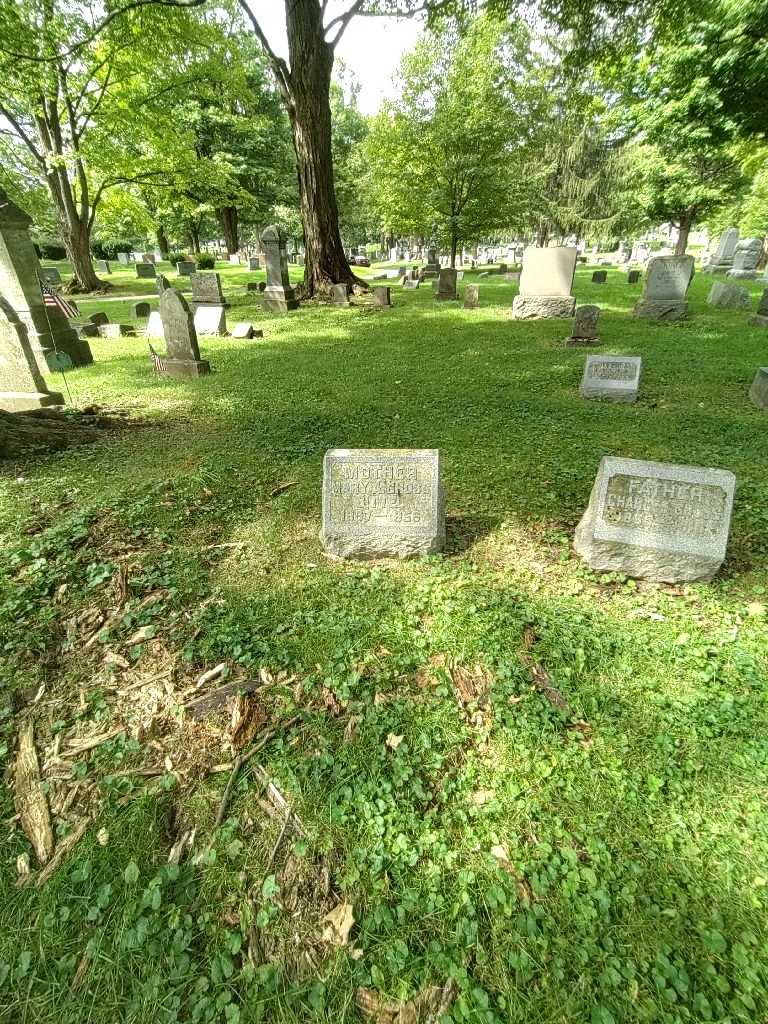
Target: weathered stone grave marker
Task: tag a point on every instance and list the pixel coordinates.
(185, 268)
(584, 327)
(206, 290)
(746, 256)
(141, 309)
(154, 328)
(98, 318)
(116, 330)
(666, 284)
(254, 263)
(657, 521)
(616, 378)
(279, 296)
(599, 276)
(381, 296)
(340, 295)
(722, 259)
(545, 284)
(124, 258)
(472, 296)
(633, 277)
(50, 275)
(210, 320)
(22, 385)
(146, 270)
(446, 285)
(183, 353)
(243, 329)
(103, 267)
(758, 393)
(382, 502)
(729, 296)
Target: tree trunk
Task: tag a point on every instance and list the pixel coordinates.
(47, 430)
(228, 221)
(454, 245)
(686, 223)
(162, 241)
(77, 244)
(306, 89)
(194, 237)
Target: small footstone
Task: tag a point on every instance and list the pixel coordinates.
(141, 309)
(758, 393)
(615, 378)
(472, 296)
(381, 502)
(657, 521)
(729, 296)
(246, 330)
(599, 277)
(584, 330)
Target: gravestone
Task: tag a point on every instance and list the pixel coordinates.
(116, 330)
(722, 258)
(503, 268)
(148, 257)
(408, 282)
(545, 284)
(279, 296)
(584, 327)
(340, 295)
(472, 296)
(50, 275)
(616, 378)
(633, 277)
(82, 330)
(254, 263)
(98, 318)
(432, 268)
(234, 259)
(381, 296)
(246, 330)
(146, 270)
(599, 277)
(758, 393)
(656, 521)
(47, 329)
(154, 328)
(185, 268)
(761, 320)
(254, 286)
(183, 353)
(140, 310)
(382, 502)
(124, 258)
(210, 320)
(746, 256)
(459, 275)
(666, 284)
(206, 290)
(446, 285)
(22, 385)
(730, 296)
(103, 267)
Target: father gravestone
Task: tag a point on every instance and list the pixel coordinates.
(657, 521)
(759, 390)
(381, 502)
(183, 353)
(22, 386)
(279, 296)
(730, 296)
(761, 320)
(666, 285)
(545, 284)
(745, 259)
(616, 378)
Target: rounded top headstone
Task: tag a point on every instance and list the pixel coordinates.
(272, 234)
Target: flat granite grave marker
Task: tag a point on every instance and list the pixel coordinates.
(746, 256)
(340, 295)
(615, 378)
(22, 385)
(381, 296)
(761, 320)
(210, 320)
(183, 353)
(279, 296)
(380, 502)
(545, 284)
(472, 296)
(599, 277)
(147, 270)
(141, 309)
(446, 285)
(729, 296)
(656, 521)
(206, 289)
(667, 280)
(584, 328)
(758, 393)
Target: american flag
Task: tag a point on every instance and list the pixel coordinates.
(158, 362)
(52, 299)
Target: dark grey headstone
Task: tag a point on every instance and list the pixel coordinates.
(141, 309)
(633, 277)
(599, 277)
(446, 285)
(99, 318)
(381, 296)
(185, 267)
(340, 295)
(758, 393)
(147, 270)
(584, 329)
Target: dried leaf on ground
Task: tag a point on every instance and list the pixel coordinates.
(393, 741)
(31, 803)
(482, 796)
(331, 703)
(338, 924)
(539, 676)
(350, 730)
(140, 636)
(422, 1008)
(282, 487)
(112, 658)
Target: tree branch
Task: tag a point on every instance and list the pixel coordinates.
(342, 21)
(22, 135)
(282, 72)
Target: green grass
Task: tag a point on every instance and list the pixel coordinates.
(634, 824)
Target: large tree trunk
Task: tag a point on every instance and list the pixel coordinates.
(193, 233)
(454, 246)
(306, 88)
(228, 221)
(686, 223)
(77, 243)
(162, 241)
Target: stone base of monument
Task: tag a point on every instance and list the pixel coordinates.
(759, 321)
(543, 307)
(656, 521)
(279, 300)
(27, 401)
(742, 275)
(758, 393)
(186, 367)
(661, 309)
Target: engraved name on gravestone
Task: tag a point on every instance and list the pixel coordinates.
(380, 502)
(666, 284)
(657, 521)
(616, 378)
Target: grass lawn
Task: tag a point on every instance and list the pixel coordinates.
(543, 783)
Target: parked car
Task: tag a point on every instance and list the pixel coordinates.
(360, 261)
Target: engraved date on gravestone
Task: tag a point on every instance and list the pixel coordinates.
(367, 490)
(611, 369)
(696, 511)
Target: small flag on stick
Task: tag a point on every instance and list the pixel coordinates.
(53, 300)
(158, 362)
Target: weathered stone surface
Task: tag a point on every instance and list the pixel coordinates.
(254, 263)
(183, 353)
(116, 330)
(382, 503)
(103, 267)
(185, 268)
(243, 329)
(124, 258)
(472, 296)
(616, 378)
(279, 296)
(650, 309)
(141, 309)
(340, 295)
(584, 329)
(98, 318)
(758, 393)
(730, 296)
(667, 280)
(599, 276)
(542, 307)
(146, 270)
(657, 521)
(548, 271)
(722, 259)
(381, 296)
(206, 289)
(408, 282)
(22, 385)
(210, 320)
(446, 285)
(154, 328)
(746, 256)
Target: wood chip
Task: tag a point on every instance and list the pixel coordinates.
(211, 674)
(31, 803)
(65, 846)
(282, 487)
(338, 924)
(80, 746)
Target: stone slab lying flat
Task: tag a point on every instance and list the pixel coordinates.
(657, 521)
(616, 378)
(382, 502)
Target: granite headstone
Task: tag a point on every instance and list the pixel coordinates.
(182, 350)
(545, 284)
(667, 280)
(615, 378)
